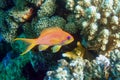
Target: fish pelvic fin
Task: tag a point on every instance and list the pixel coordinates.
(56, 48)
(32, 43)
(42, 47)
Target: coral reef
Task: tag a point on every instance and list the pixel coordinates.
(38, 25)
(20, 15)
(94, 25)
(115, 64)
(65, 68)
(8, 30)
(98, 22)
(57, 21)
(71, 27)
(47, 8)
(101, 68)
(10, 22)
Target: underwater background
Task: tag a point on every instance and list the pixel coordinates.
(93, 55)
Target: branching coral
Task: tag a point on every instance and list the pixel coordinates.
(20, 15)
(8, 30)
(81, 69)
(72, 70)
(57, 21)
(38, 25)
(98, 22)
(115, 64)
(47, 8)
(10, 22)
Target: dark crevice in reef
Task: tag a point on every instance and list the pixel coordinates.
(9, 5)
(61, 10)
(4, 49)
(29, 73)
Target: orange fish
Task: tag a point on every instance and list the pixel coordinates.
(54, 36)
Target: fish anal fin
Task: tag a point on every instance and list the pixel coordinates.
(50, 30)
(56, 48)
(42, 47)
(28, 49)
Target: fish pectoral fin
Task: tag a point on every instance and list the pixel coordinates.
(42, 47)
(56, 48)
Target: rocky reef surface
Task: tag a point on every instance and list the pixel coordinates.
(94, 54)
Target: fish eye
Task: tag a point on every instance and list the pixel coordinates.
(68, 37)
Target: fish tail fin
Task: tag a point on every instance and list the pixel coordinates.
(29, 48)
(32, 43)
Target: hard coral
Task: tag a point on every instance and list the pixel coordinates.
(57, 21)
(47, 8)
(98, 22)
(9, 30)
(82, 69)
(20, 15)
(115, 64)
(39, 24)
(72, 70)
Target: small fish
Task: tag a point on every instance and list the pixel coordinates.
(53, 36)
(79, 51)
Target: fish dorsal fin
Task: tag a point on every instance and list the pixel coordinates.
(50, 30)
